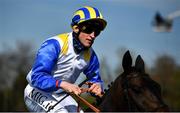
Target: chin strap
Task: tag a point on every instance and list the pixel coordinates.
(77, 44)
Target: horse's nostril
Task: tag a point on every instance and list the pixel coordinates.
(162, 107)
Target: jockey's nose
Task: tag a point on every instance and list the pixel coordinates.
(92, 35)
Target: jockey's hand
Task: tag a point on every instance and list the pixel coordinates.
(70, 88)
(94, 88)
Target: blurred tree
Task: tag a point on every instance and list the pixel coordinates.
(164, 68)
(7, 70)
(167, 73)
(15, 64)
(174, 91)
(105, 72)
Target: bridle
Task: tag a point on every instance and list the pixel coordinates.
(126, 86)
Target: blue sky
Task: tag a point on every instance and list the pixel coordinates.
(129, 25)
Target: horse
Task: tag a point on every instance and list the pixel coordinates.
(132, 90)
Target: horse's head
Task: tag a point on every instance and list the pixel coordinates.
(139, 89)
(133, 90)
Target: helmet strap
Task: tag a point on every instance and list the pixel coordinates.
(78, 47)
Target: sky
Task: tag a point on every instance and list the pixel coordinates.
(129, 25)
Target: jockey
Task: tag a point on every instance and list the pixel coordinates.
(59, 62)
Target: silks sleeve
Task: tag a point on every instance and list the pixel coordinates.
(45, 61)
(92, 71)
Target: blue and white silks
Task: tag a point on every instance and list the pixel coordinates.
(56, 60)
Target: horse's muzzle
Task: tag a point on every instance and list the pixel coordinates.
(162, 108)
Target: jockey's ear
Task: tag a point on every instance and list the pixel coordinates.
(127, 61)
(75, 28)
(139, 64)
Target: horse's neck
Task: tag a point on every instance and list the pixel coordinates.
(115, 101)
(107, 103)
(114, 97)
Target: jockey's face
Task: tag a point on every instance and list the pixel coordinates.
(88, 33)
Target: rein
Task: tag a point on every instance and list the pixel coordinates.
(79, 98)
(86, 103)
(67, 94)
(126, 87)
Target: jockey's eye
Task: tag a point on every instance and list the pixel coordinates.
(89, 27)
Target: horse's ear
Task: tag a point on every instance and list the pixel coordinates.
(139, 64)
(127, 61)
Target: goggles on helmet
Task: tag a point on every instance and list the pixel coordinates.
(89, 27)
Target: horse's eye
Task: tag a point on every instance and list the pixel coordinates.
(137, 89)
